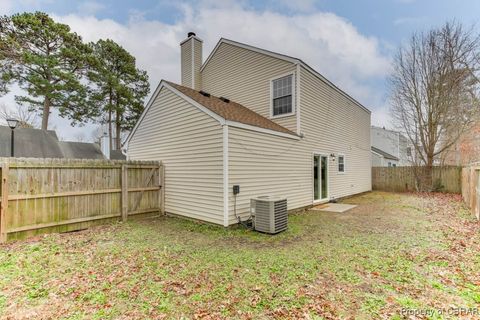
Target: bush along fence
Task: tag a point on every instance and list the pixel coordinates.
(403, 179)
(60, 195)
(471, 188)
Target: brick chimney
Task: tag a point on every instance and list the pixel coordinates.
(191, 61)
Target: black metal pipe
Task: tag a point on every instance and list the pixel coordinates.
(12, 144)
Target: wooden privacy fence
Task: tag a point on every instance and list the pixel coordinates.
(471, 188)
(59, 195)
(402, 179)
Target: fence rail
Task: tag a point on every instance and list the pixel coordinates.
(402, 179)
(58, 195)
(471, 188)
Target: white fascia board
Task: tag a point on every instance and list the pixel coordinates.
(212, 114)
(262, 130)
(378, 154)
(248, 47)
(330, 84)
(162, 85)
(145, 110)
(285, 58)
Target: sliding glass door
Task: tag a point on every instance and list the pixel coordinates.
(320, 177)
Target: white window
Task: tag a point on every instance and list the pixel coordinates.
(282, 96)
(341, 163)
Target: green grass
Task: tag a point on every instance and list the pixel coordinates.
(392, 252)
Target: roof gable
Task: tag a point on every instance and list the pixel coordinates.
(230, 113)
(285, 58)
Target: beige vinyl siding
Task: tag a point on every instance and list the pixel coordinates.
(244, 76)
(186, 63)
(333, 123)
(197, 63)
(264, 164)
(189, 142)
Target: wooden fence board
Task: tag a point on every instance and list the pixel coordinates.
(471, 188)
(58, 195)
(402, 179)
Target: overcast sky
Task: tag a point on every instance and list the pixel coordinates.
(349, 42)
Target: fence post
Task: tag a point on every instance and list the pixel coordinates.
(124, 182)
(4, 204)
(161, 179)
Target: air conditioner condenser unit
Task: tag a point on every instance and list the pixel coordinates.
(270, 214)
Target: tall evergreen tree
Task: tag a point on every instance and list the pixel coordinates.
(120, 87)
(49, 62)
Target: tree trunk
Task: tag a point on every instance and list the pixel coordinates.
(110, 138)
(46, 113)
(110, 133)
(118, 130)
(429, 173)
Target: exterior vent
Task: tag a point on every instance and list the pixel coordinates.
(224, 99)
(206, 94)
(270, 214)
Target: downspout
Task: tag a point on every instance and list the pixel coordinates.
(225, 175)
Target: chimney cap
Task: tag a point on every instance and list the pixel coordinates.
(191, 34)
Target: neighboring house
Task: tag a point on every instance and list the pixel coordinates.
(383, 159)
(36, 143)
(390, 148)
(466, 150)
(254, 118)
(104, 142)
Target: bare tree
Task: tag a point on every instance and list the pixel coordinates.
(26, 117)
(435, 89)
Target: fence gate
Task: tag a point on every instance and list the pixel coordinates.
(58, 195)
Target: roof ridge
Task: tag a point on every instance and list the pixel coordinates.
(285, 57)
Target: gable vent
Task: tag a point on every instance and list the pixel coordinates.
(225, 99)
(206, 94)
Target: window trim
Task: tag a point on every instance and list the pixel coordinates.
(294, 95)
(344, 164)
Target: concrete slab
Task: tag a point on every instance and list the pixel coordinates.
(334, 207)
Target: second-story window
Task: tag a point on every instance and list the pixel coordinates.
(282, 96)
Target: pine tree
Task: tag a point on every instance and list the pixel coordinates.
(48, 62)
(120, 87)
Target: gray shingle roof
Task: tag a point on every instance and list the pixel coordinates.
(36, 143)
(231, 111)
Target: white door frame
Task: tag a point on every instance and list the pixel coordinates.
(321, 154)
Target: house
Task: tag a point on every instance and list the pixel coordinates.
(465, 150)
(256, 119)
(110, 152)
(36, 143)
(390, 148)
(383, 159)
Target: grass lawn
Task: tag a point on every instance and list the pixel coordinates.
(393, 251)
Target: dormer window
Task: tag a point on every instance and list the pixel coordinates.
(282, 96)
